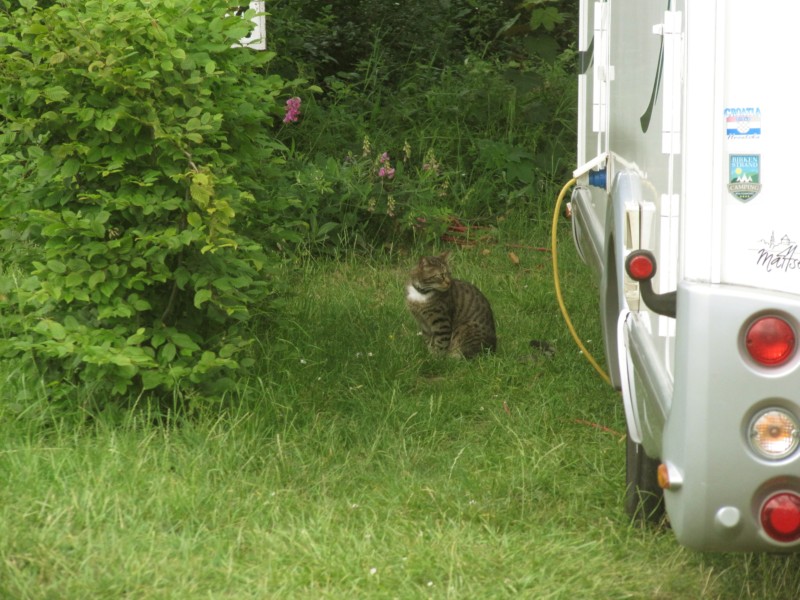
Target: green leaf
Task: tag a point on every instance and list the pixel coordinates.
(85, 114)
(201, 296)
(107, 121)
(96, 278)
(182, 277)
(547, 18)
(137, 338)
(228, 350)
(157, 338)
(223, 284)
(140, 304)
(70, 168)
(183, 341)
(167, 353)
(35, 28)
(56, 266)
(55, 93)
(120, 360)
(57, 331)
(75, 279)
(53, 229)
(194, 219)
(50, 328)
(152, 379)
(30, 95)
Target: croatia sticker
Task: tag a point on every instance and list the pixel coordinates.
(743, 123)
(744, 176)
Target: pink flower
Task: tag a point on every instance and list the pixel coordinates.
(386, 169)
(292, 110)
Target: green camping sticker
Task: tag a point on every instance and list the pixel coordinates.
(744, 176)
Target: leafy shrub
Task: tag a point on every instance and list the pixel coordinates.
(134, 145)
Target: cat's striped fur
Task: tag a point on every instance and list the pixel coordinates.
(454, 316)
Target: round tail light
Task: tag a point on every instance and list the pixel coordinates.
(774, 433)
(780, 517)
(770, 341)
(640, 267)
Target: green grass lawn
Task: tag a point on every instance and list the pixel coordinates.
(351, 464)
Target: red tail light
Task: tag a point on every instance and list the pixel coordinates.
(640, 267)
(770, 341)
(780, 517)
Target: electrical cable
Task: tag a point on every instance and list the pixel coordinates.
(557, 283)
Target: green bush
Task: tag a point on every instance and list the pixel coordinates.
(134, 150)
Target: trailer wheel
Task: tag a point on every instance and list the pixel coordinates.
(644, 498)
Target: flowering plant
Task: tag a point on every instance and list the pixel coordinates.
(386, 170)
(292, 110)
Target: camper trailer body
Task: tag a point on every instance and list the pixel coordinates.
(686, 149)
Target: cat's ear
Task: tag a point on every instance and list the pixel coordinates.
(444, 255)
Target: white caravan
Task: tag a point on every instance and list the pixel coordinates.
(685, 210)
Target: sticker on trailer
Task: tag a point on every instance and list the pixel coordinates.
(745, 176)
(743, 123)
(778, 254)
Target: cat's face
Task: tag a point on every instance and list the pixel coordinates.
(432, 273)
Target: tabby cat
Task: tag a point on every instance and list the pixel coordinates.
(455, 317)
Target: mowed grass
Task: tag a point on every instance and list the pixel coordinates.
(350, 464)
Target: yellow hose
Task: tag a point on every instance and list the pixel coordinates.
(557, 282)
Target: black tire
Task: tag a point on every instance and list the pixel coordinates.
(644, 498)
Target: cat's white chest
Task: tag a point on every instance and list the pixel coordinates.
(415, 296)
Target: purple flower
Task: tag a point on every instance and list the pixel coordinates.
(292, 110)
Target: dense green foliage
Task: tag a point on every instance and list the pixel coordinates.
(133, 140)
(333, 38)
(475, 121)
